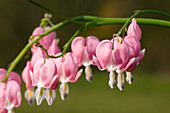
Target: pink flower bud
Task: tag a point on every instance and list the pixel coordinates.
(134, 29)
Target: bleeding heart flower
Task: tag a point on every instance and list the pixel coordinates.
(46, 79)
(136, 54)
(113, 57)
(67, 70)
(10, 95)
(13, 95)
(84, 50)
(27, 76)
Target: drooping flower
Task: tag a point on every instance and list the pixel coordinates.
(13, 95)
(136, 54)
(113, 57)
(67, 70)
(27, 76)
(10, 95)
(49, 42)
(84, 50)
(46, 79)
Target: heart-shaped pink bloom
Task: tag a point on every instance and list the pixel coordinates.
(113, 57)
(84, 50)
(120, 54)
(46, 79)
(134, 29)
(27, 75)
(134, 46)
(104, 53)
(67, 69)
(134, 49)
(44, 73)
(136, 54)
(13, 94)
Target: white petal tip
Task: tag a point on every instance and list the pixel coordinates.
(121, 86)
(112, 84)
(89, 78)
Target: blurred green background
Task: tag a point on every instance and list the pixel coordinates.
(151, 89)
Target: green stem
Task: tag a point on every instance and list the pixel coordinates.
(138, 12)
(53, 12)
(96, 21)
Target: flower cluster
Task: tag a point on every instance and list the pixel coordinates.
(10, 92)
(46, 73)
(119, 57)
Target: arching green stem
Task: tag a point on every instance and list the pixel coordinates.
(138, 12)
(95, 21)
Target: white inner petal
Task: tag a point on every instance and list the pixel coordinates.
(50, 96)
(112, 81)
(64, 89)
(88, 73)
(39, 95)
(120, 80)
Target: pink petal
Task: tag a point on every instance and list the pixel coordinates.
(47, 72)
(38, 53)
(120, 54)
(54, 82)
(46, 41)
(54, 49)
(2, 73)
(58, 62)
(4, 111)
(15, 77)
(133, 42)
(141, 55)
(2, 96)
(91, 43)
(53, 34)
(131, 65)
(13, 93)
(26, 75)
(36, 71)
(78, 48)
(70, 65)
(38, 31)
(77, 76)
(103, 53)
(134, 29)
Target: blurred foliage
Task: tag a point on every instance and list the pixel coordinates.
(19, 18)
